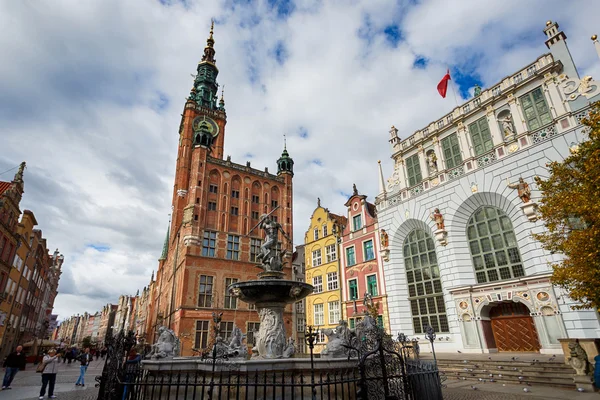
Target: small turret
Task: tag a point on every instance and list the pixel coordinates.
(165, 249)
(285, 164)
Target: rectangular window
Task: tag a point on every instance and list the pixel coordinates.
(413, 170)
(254, 249)
(316, 233)
(226, 329)
(451, 150)
(368, 252)
(300, 307)
(209, 244)
(318, 284)
(235, 211)
(213, 188)
(332, 281)
(274, 203)
(230, 301)
(233, 247)
(255, 199)
(535, 109)
(351, 323)
(380, 321)
(300, 324)
(334, 312)
(254, 214)
(331, 252)
(235, 194)
(212, 206)
(316, 257)
(350, 258)
(353, 286)
(201, 341)
(372, 285)
(319, 314)
(357, 222)
(324, 230)
(206, 291)
(252, 328)
(480, 136)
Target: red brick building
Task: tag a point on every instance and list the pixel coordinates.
(216, 203)
(362, 267)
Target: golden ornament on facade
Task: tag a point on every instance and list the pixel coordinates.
(594, 37)
(548, 23)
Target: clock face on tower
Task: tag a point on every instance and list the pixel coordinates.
(207, 123)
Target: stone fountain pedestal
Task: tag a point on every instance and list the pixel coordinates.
(270, 294)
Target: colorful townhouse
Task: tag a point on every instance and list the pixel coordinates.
(361, 265)
(322, 249)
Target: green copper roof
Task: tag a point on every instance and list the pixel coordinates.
(165, 250)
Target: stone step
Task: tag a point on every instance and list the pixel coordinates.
(507, 374)
(559, 383)
(533, 368)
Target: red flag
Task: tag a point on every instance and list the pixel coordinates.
(443, 85)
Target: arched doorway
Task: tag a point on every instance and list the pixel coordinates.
(513, 327)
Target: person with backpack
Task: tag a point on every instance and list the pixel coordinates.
(85, 358)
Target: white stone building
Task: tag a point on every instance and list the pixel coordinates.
(477, 276)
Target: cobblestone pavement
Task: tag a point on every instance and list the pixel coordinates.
(26, 384)
(461, 390)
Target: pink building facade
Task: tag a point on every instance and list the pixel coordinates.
(361, 264)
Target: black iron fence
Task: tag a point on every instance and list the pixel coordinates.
(377, 367)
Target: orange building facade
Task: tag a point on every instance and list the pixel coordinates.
(211, 242)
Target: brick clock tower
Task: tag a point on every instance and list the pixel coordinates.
(216, 203)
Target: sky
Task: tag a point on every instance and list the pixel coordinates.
(91, 94)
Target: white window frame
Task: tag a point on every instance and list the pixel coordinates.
(300, 307)
(317, 258)
(346, 255)
(332, 281)
(324, 230)
(354, 228)
(300, 324)
(331, 252)
(319, 314)
(334, 312)
(318, 283)
(367, 284)
(316, 233)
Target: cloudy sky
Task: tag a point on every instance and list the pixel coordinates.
(91, 94)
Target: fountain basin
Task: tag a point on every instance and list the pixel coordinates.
(265, 291)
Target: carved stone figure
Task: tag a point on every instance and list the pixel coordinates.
(432, 163)
(336, 340)
(384, 238)
(437, 216)
(523, 189)
(290, 349)
(578, 359)
(507, 127)
(167, 345)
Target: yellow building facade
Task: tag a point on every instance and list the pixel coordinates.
(322, 255)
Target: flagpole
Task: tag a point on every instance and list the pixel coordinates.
(453, 91)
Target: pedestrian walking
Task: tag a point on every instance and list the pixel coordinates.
(50, 362)
(13, 363)
(85, 358)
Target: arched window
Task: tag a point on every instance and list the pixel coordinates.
(424, 285)
(493, 246)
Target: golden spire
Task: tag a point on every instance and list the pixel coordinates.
(209, 51)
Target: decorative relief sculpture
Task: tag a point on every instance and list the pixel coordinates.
(586, 87)
(437, 216)
(167, 345)
(440, 233)
(290, 349)
(271, 339)
(432, 162)
(529, 207)
(508, 127)
(578, 359)
(384, 238)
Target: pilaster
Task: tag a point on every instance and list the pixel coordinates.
(518, 118)
(497, 136)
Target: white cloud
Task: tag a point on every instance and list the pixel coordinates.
(81, 87)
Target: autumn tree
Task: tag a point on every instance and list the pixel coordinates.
(570, 209)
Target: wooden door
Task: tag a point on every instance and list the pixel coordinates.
(513, 328)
